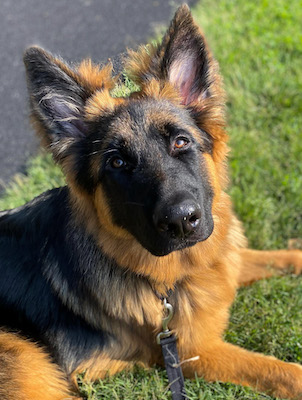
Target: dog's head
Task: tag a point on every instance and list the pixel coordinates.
(152, 163)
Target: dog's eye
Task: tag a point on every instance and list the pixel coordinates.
(180, 143)
(117, 162)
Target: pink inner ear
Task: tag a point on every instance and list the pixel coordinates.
(182, 74)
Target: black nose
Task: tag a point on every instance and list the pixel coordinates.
(178, 220)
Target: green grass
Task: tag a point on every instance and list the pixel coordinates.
(42, 174)
(259, 47)
(152, 384)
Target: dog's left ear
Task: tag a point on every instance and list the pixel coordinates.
(182, 59)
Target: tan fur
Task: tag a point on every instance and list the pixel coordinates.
(263, 264)
(95, 77)
(27, 372)
(159, 90)
(101, 103)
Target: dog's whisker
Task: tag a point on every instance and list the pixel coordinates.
(99, 152)
(93, 153)
(108, 151)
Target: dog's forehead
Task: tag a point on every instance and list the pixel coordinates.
(139, 118)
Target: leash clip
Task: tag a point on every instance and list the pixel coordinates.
(167, 340)
(168, 308)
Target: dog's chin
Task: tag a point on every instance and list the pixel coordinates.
(166, 247)
(164, 251)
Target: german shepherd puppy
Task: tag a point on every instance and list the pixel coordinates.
(144, 215)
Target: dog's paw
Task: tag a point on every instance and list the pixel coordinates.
(295, 245)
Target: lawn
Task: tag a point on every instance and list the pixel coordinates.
(259, 47)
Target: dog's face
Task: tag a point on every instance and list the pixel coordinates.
(154, 176)
(146, 161)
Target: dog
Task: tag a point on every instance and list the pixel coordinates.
(145, 215)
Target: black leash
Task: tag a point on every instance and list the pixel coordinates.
(167, 340)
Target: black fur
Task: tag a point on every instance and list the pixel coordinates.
(45, 258)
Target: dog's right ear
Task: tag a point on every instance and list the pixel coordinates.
(59, 94)
(57, 98)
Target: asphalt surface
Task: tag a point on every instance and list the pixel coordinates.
(74, 29)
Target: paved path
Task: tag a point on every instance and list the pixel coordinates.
(75, 29)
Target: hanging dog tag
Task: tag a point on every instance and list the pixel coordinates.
(167, 340)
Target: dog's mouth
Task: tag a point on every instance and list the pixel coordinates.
(161, 251)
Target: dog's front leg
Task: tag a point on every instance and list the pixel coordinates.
(228, 363)
(259, 264)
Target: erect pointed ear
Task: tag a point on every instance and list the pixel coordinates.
(185, 59)
(57, 98)
(182, 59)
(59, 93)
